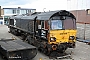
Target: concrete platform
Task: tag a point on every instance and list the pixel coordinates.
(81, 52)
(84, 41)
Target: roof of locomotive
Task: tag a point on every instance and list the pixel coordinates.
(31, 17)
(45, 15)
(48, 15)
(16, 17)
(26, 17)
(23, 17)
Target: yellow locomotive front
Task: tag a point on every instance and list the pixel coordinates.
(62, 32)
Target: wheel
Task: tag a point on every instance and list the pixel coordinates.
(29, 39)
(62, 48)
(48, 52)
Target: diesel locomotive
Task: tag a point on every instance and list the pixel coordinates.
(48, 31)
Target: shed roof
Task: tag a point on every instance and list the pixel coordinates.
(21, 8)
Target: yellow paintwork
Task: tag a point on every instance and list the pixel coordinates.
(62, 36)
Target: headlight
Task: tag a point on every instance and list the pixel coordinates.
(52, 39)
(71, 38)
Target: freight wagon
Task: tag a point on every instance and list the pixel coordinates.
(17, 49)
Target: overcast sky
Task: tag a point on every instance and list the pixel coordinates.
(47, 5)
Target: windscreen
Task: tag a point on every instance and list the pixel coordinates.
(69, 23)
(56, 24)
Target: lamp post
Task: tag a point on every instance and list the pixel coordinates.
(44, 9)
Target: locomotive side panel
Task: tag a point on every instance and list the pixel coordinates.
(31, 26)
(25, 24)
(18, 24)
(11, 22)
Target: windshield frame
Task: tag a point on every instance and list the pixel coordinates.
(56, 24)
(63, 28)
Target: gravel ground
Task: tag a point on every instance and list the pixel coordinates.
(81, 52)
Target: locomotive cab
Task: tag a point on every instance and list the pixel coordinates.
(42, 28)
(62, 30)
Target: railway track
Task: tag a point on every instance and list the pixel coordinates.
(55, 55)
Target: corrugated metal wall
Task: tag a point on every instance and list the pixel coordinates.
(87, 31)
(83, 31)
(80, 30)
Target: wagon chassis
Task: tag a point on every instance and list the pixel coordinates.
(13, 49)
